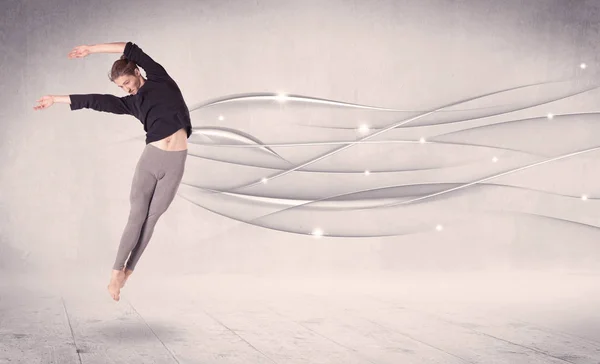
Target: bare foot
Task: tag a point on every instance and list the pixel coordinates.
(114, 287)
(127, 272)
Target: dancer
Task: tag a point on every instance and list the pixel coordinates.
(158, 103)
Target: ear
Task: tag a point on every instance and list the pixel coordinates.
(137, 72)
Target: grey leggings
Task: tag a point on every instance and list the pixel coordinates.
(155, 183)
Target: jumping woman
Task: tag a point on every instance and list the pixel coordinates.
(158, 103)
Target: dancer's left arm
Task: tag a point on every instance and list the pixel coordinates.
(85, 50)
(132, 51)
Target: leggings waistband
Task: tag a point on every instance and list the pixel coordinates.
(151, 146)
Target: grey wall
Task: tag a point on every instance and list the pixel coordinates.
(65, 176)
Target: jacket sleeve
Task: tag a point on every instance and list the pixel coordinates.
(103, 102)
(152, 68)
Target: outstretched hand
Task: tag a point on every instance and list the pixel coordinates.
(79, 51)
(44, 102)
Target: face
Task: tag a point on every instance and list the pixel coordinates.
(130, 84)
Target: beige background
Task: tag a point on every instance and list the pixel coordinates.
(65, 176)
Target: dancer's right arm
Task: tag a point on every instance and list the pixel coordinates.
(45, 102)
(98, 102)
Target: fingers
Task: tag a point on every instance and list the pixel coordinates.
(78, 52)
(76, 55)
(42, 104)
(73, 54)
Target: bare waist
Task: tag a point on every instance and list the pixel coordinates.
(174, 142)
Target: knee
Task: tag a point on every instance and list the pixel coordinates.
(155, 213)
(160, 205)
(138, 213)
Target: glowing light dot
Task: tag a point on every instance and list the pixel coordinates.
(281, 97)
(363, 128)
(584, 197)
(422, 140)
(317, 232)
(367, 172)
(264, 180)
(221, 117)
(550, 116)
(495, 159)
(439, 228)
(583, 66)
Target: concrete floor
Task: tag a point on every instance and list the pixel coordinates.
(435, 318)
